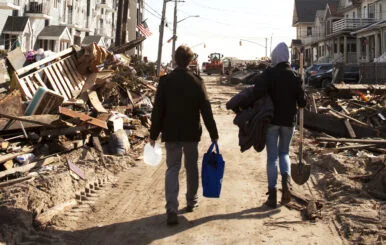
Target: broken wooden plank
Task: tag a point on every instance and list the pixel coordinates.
(349, 128)
(368, 141)
(364, 87)
(95, 102)
(11, 156)
(335, 127)
(36, 119)
(348, 117)
(329, 150)
(63, 131)
(83, 117)
(15, 181)
(313, 104)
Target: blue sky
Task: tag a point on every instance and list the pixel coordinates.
(221, 25)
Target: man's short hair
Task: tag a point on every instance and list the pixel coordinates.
(183, 56)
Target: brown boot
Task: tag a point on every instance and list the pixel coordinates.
(286, 194)
(272, 198)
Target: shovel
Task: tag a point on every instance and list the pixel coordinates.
(301, 171)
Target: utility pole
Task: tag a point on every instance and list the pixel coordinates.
(174, 34)
(161, 36)
(266, 40)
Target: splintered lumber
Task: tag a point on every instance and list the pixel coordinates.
(22, 169)
(14, 181)
(127, 46)
(83, 117)
(36, 119)
(95, 102)
(365, 87)
(11, 156)
(314, 107)
(348, 117)
(347, 148)
(350, 130)
(336, 127)
(366, 141)
(63, 131)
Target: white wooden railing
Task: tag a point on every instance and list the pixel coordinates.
(350, 24)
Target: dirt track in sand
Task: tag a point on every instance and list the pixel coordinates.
(132, 210)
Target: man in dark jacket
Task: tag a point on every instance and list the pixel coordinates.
(181, 97)
(285, 88)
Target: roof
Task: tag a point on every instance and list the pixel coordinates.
(91, 39)
(305, 10)
(15, 24)
(52, 31)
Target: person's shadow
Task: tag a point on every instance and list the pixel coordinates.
(149, 229)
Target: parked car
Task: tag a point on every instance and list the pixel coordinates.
(316, 69)
(351, 74)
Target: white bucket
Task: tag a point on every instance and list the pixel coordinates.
(152, 155)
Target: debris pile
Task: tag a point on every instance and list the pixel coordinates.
(81, 114)
(346, 145)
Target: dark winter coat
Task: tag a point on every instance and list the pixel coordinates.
(284, 86)
(180, 98)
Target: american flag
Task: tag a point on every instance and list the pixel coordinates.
(144, 29)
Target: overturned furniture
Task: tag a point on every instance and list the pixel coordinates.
(58, 73)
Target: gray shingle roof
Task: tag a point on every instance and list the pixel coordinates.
(15, 24)
(306, 9)
(91, 39)
(52, 31)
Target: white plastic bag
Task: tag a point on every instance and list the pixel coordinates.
(152, 155)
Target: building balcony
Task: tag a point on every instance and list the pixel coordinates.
(37, 10)
(312, 39)
(104, 4)
(9, 5)
(350, 24)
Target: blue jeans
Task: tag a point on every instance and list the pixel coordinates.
(278, 141)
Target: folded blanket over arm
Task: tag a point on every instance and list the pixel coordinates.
(252, 118)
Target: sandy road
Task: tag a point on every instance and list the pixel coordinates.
(132, 211)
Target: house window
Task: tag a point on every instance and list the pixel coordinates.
(309, 31)
(364, 12)
(353, 15)
(380, 11)
(372, 11)
(353, 47)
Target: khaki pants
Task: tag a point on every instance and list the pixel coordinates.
(174, 152)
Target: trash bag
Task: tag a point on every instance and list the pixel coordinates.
(212, 172)
(119, 143)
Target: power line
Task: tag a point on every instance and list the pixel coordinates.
(155, 11)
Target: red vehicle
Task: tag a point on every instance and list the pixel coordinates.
(215, 65)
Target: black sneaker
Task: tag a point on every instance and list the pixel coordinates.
(172, 218)
(191, 208)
